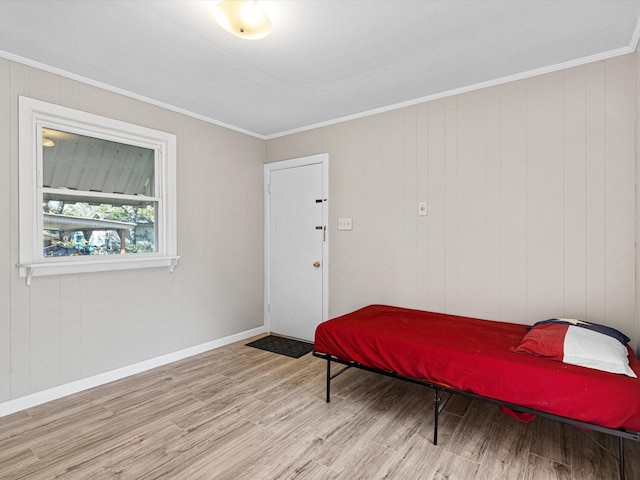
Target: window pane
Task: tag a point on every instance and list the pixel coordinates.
(92, 164)
(74, 228)
(89, 185)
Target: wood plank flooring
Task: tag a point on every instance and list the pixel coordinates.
(241, 413)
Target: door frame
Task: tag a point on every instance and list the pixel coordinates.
(320, 158)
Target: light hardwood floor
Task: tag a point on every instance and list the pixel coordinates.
(242, 413)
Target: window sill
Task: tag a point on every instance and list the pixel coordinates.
(81, 265)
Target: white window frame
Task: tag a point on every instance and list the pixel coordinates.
(35, 115)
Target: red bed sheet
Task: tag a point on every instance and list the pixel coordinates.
(472, 355)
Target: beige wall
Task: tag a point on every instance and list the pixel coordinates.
(66, 328)
(637, 123)
(531, 200)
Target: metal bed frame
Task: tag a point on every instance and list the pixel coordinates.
(439, 404)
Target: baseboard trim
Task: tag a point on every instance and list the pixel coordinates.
(31, 400)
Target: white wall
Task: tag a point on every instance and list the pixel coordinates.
(531, 200)
(66, 328)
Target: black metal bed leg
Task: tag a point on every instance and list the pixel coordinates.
(621, 456)
(436, 402)
(328, 379)
(440, 405)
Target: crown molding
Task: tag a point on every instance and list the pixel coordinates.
(447, 93)
(470, 88)
(635, 37)
(120, 91)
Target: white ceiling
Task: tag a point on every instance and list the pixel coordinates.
(325, 59)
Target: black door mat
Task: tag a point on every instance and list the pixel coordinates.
(283, 346)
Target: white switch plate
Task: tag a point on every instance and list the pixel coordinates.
(422, 209)
(345, 224)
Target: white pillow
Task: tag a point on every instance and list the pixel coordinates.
(594, 350)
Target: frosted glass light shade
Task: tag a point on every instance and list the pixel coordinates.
(243, 18)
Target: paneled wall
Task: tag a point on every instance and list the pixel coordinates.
(531, 200)
(531, 214)
(66, 328)
(637, 202)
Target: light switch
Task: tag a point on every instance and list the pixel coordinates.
(345, 224)
(422, 209)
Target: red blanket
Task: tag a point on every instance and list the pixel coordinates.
(473, 355)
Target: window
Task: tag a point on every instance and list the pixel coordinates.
(96, 194)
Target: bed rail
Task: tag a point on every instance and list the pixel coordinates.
(621, 433)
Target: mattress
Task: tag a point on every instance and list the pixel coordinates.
(473, 355)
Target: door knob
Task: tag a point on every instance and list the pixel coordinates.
(316, 264)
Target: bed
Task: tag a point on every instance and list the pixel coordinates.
(485, 360)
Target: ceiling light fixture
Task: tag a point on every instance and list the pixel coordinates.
(243, 18)
(47, 142)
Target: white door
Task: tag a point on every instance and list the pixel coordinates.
(296, 245)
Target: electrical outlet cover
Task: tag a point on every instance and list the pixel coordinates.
(345, 224)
